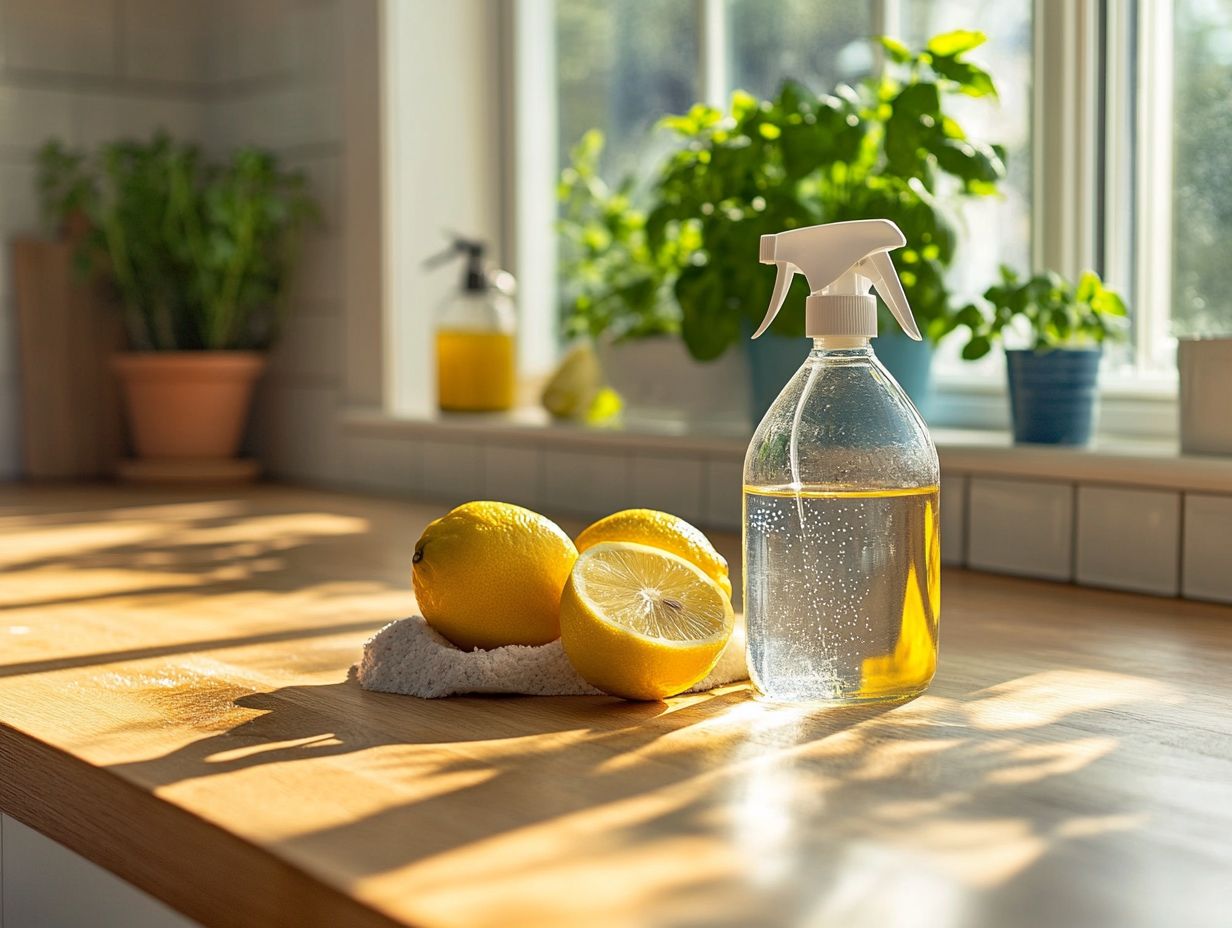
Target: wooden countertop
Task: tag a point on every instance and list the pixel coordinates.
(174, 706)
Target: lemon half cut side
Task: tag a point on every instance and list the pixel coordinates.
(642, 623)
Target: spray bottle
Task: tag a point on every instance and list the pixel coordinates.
(841, 548)
(476, 367)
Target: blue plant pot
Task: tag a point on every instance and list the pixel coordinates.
(911, 364)
(772, 361)
(1052, 395)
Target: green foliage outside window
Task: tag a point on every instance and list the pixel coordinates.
(885, 149)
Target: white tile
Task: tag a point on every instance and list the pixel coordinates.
(1128, 539)
(1207, 558)
(19, 206)
(1021, 527)
(248, 41)
(324, 173)
(295, 432)
(163, 40)
(724, 494)
(100, 118)
(953, 519)
(46, 884)
(280, 117)
(585, 483)
(452, 471)
(318, 277)
(30, 116)
(65, 36)
(388, 464)
(310, 346)
(511, 474)
(10, 428)
(672, 483)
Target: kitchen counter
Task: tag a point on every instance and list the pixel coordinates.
(175, 706)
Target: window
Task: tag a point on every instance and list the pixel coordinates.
(1114, 114)
(1202, 166)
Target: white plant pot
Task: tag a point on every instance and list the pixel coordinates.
(1206, 395)
(661, 383)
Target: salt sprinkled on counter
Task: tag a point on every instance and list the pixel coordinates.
(409, 657)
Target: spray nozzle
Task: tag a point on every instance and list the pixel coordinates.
(840, 260)
(474, 276)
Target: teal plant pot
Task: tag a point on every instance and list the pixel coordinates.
(1052, 395)
(773, 359)
(911, 364)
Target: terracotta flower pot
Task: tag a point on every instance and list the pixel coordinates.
(185, 405)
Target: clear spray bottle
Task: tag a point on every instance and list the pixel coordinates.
(841, 550)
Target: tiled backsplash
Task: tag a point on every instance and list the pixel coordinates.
(1111, 534)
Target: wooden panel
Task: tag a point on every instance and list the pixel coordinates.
(66, 334)
(175, 705)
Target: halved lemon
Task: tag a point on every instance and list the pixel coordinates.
(660, 530)
(640, 622)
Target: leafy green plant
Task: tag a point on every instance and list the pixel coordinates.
(1056, 312)
(64, 188)
(198, 253)
(611, 280)
(886, 149)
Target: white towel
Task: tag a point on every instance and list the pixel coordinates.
(409, 657)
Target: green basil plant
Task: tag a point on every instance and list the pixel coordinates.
(887, 148)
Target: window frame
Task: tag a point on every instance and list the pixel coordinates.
(1101, 95)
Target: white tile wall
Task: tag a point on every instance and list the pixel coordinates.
(513, 474)
(453, 470)
(673, 483)
(10, 430)
(1021, 527)
(30, 115)
(585, 483)
(163, 40)
(46, 885)
(1128, 539)
(1207, 553)
(279, 118)
(295, 432)
(318, 279)
(953, 519)
(390, 465)
(724, 494)
(64, 36)
(311, 345)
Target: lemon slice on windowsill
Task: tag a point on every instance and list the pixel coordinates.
(640, 622)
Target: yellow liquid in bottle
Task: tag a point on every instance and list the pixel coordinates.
(475, 371)
(842, 592)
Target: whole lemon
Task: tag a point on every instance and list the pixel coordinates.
(491, 574)
(660, 530)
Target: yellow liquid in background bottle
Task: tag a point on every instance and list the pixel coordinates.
(475, 371)
(842, 591)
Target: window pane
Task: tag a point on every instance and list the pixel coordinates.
(622, 64)
(995, 230)
(1202, 162)
(816, 43)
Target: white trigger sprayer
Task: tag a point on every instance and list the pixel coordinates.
(841, 490)
(841, 261)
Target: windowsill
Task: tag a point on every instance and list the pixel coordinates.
(1116, 460)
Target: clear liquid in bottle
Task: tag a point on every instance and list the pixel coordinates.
(842, 592)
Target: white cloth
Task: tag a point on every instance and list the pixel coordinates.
(409, 657)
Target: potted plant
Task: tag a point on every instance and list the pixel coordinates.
(617, 291)
(1052, 383)
(1204, 360)
(198, 255)
(886, 149)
